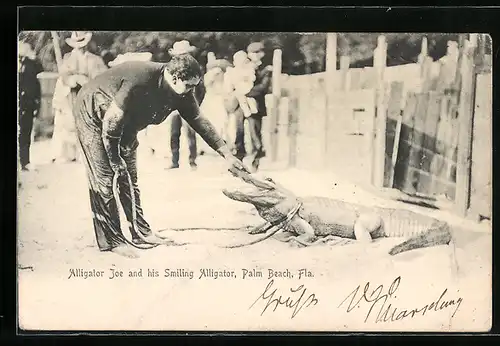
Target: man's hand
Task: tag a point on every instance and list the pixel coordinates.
(235, 166)
(119, 167)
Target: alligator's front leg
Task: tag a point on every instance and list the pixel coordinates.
(303, 240)
(304, 230)
(367, 227)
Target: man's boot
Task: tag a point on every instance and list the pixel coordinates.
(193, 165)
(175, 160)
(173, 166)
(255, 165)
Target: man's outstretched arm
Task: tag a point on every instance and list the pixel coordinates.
(190, 111)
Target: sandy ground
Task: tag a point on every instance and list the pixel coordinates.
(55, 235)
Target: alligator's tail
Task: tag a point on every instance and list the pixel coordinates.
(439, 234)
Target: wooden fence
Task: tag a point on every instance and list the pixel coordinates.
(407, 127)
(423, 128)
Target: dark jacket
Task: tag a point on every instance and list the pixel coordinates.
(200, 91)
(262, 82)
(29, 85)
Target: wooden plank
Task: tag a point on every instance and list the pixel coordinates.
(406, 135)
(57, 49)
(329, 86)
(437, 110)
(395, 98)
(446, 139)
(421, 173)
(302, 120)
(394, 113)
(414, 155)
(283, 124)
(276, 82)
(368, 78)
(420, 118)
(379, 65)
(310, 141)
(344, 73)
(331, 52)
(481, 170)
(325, 89)
(355, 78)
(466, 115)
(446, 186)
(427, 81)
(423, 51)
(452, 151)
(293, 113)
(432, 120)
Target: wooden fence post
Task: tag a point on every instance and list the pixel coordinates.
(331, 52)
(465, 116)
(425, 63)
(276, 90)
(395, 113)
(331, 68)
(379, 63)
(423, 51)
(293, 112)
(344, 70)
(210, 57)
(57, 48)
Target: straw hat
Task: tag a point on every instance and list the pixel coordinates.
(181, 47)
(240, 58)
(143, 56)
(79, 39)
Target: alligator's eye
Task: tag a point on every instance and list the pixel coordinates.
(269, 179)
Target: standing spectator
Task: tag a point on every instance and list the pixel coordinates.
(239, 81)
(77, 68)
(177, 123)
(213, 104)
(29, 99)
(261, 87)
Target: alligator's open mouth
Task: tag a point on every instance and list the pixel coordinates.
(245, 192)
(249, 190)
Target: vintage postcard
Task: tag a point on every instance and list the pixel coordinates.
(237, 181)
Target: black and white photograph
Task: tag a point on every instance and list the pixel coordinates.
(254, 181)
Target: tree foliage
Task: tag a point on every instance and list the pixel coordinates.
(302, 52)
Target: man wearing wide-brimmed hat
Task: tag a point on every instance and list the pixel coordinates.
(182, 47)
(77, 68)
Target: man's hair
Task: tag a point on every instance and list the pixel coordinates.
(184, 67)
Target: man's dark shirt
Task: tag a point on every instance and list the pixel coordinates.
(261, 88)
(29, 85)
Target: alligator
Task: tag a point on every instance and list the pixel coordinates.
(312, 220)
